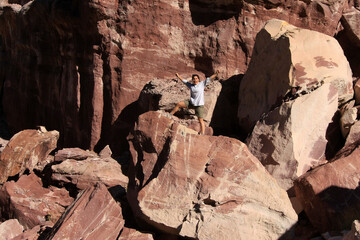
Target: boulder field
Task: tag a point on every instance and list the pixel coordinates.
(279, 156)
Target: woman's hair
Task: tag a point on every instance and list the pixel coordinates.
(195, 75)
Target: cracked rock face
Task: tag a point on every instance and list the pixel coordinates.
(291, 139)
(284, 57)
(192, 185)
(93, 215)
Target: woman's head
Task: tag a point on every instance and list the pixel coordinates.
(195, 78)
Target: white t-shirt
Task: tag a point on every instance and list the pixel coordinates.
(197, 91)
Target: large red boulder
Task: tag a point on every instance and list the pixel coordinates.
(25, 150)
(10, 229)
(191, 185)
(330, 194)
(32, 204)
(94, 215)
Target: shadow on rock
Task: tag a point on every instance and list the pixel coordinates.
(224, 120)
(207, 13)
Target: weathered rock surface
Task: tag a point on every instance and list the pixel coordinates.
(354, 134)
(347, 120)
(129, 233)
(3, 143)
(330, 193)
(354, 234)
(103, 53)
(285, 57)
(291, 139)
(34, 233)
(192, 185)
(25, 150)
(30, 203)
(73, 153)
(93, 215)
(160, 94)
(85, 168)
(10, 229)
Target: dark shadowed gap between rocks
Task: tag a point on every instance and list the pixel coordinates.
(207, 12)
(334, 137)
(4, 129)
(224, 120)
(351, 51)
(334, 208)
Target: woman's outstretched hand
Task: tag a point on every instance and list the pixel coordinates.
(177, 75)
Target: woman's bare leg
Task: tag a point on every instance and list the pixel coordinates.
(202, 126)
(177, 107)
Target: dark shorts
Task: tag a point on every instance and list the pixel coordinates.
(199, 110)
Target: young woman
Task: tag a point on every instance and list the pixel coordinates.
(196, 100)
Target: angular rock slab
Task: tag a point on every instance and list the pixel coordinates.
(292, 138)
(354, 233)
(285, 56)
(203, 187)
(34, 233)
(354, 134)
(10, 229)
(24, 150)
(93, 215)
(129, 233)
(330, 193)
(84, 168)
(30, 203)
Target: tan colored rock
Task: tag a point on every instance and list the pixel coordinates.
(291, 139)
(94, 215)
(354, 234)
(83, 169)
(106, 152)
(330, 193)
(73, 153)
(3, 144)
(25, 150)
(30, 203)
(129, 233)
(285, 56)
(354, 134)
(347, 120)
(34, 233)
(193, 186)
(10, 229)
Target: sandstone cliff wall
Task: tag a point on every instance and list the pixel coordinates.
(79, 66)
